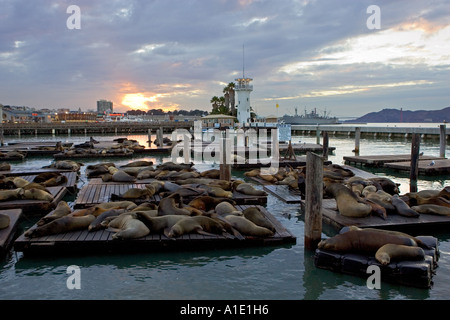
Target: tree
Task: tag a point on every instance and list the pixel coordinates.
(230, 90)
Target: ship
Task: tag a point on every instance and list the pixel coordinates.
(309, 118)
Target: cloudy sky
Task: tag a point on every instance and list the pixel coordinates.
(175, 54)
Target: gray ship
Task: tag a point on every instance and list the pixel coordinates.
(309, 118)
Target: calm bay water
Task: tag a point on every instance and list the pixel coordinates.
(268, 273)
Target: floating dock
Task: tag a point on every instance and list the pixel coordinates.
(7, 234)
(381, 160)
(36, 207)
(85, 242)
(426, 167)
(71, 184)
(411, 273)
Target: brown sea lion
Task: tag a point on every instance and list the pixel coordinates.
(127, 226)
(61, 210)
(212, 174)
(159, 223)
(5, 220)
(171, 205)
(44, 176)
(247, 227)
(226, 208)
(207, 203)
(432, 209)
(37, 194)
(20, 182)
(363, 240)
(397, 252)
(347, 202)
(126, 204)
(122, 176)
(63, 224)
(257, 217)
(11, 194)
(133, 193)
(97, 223)
(248, 189)
(252, 173)
(55, 181)
(138, 163)
(199, 224)
(402, 208)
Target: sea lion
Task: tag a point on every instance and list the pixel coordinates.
(248, 189)
(5, 167)
(170, 186)
(159, 223)
(432, 209)
(97, 223)
(252, 173)
(122, 176)
(55, 181)
(133, 193)
(390, 252)
(170, 205)
(174, 166)
(215, 191)
(387, 184)
(63, 224)
(127, 226)
(146, 206)
(44, 176)
(377, 209)
(20, 182)
(37, 194)
(226, 208)
(11, 194)
(364, 240)
(247, 227)
(129, 205)
(146, 173)
(61, 210)
(212, 174)
(257, 217)
(198, 224)
(138, 163)
(67, 164)
(5, 220)
(402, 208)
(207, 203)
(347, 202)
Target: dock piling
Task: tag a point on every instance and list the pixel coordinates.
(313, 200)
(442, 140)
(325, 145)
(415, 146)
(357, 139)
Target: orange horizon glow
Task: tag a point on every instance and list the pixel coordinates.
(146, 102)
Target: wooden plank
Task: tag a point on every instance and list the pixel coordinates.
(283, 192)
(379, 160)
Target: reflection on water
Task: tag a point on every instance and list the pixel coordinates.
(272, 273)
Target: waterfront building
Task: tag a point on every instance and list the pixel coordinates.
(218, 121)
(104, 106)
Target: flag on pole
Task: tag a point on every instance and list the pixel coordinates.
(278, 105)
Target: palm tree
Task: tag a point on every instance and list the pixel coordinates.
(215, 100)
(231, 91)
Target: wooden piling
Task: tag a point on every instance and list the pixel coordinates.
(415, 146)
(317, 135)
(357, 139)
(325, 145)
(313, 200)
(442, 140)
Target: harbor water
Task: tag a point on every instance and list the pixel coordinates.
(284, 272)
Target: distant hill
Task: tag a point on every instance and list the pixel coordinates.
(397, 115)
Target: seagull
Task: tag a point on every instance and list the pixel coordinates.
(432, 163)
(421, 154)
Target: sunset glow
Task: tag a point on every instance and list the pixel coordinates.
(145, 102)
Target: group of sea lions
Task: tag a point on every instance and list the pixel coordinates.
(121, 146)
(203, 215)
(16, 188)
(387, 246)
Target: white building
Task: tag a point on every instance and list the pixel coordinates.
(243, 89)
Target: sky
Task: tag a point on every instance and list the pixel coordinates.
(332, 55)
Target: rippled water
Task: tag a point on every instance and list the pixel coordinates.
(274, 273)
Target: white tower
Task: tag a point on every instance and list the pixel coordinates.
(243, 89)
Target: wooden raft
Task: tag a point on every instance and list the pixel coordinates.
(380, 160)
(63, 156)
(284, 193)
(7, 234)
(394, 221)
(93, 194)
(440, 166)
(101, 241)
(36, 207)
(71, 184)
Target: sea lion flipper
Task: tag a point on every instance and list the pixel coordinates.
(109, 229)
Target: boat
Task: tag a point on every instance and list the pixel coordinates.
(309, 118)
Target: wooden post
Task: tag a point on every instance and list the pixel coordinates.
(186, 149)
(442, 140)
(159, 137)
(313, 200)
(357, 138)
(317, 135)
(149, 137)
(225, 166)
(325, 145)
(415, 146)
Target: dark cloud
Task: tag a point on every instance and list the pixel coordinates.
(149, 46)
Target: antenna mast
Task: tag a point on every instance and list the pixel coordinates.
(243, 61)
